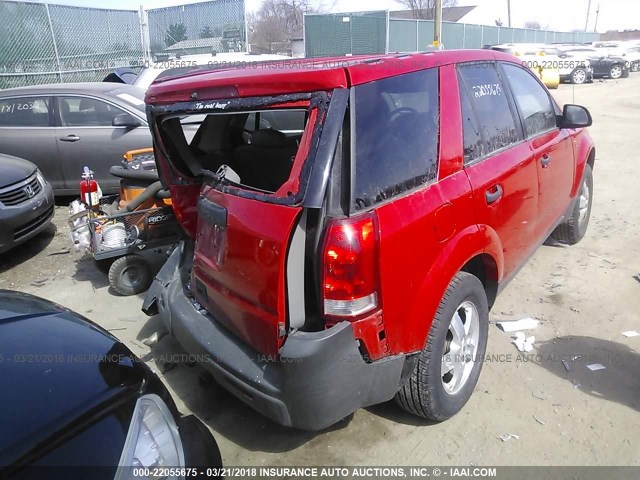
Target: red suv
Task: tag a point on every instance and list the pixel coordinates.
(349, 222)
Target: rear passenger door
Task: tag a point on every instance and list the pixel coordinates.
(26, 131)
(550, 146)
(498, 163)
(395, 163)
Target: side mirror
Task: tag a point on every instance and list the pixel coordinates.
(125, 120)
(575, 116)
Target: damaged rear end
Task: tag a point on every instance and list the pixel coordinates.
(243, 176)
(251, 189)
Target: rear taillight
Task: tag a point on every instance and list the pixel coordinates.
(349, 273)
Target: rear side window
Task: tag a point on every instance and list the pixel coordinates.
(24, 112)
(396, 136)
(481, 86)
(536, 109)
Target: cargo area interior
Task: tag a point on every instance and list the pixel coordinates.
(259, 146)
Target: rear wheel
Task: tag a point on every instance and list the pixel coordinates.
(574, 228)
(130, 275)
(615, 71)
(579, 76)
(450, 363)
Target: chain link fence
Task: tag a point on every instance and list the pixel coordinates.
(48, 43)
(374, 32)
(198, 28)
(43, 43)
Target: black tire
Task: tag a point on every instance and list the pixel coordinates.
(424, 392)
(130, 275)
(572, 229)
(579, 76)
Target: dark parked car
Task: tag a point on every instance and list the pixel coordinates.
(603, 65)
(61, 128)
(26, 201)
(73, 396)
(354, 257)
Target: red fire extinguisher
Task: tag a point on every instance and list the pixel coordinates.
(90, 191)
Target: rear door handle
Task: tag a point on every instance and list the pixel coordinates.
(545, 160)
(493, 194)
(70, 138)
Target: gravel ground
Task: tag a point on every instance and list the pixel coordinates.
(585, 297)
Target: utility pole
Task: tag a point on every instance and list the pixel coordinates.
(595, 27)
(509, 13)
(437, 24)
(586, 23)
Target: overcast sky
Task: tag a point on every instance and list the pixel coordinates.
(557, 14)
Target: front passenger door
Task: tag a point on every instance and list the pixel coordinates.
(551, 147)
(498, 163)
(87, 137)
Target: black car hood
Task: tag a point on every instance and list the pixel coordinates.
(60, 373)
(14, 169)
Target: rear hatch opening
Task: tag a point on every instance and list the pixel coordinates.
(238, 170)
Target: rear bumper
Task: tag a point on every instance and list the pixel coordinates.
(318, 379)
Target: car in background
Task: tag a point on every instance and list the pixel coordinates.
(63, 127)
(604, 64)
(74, 397)
(26, 201)
(543, 59)
(629, 50)
(546, 68)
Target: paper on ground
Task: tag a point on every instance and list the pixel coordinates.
(524, 344)
(527, 323)
(631, 333)
(505, 437)
(596, 366)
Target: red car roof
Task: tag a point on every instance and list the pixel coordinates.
(299, 75)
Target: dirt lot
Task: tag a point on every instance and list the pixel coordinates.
(585, 296)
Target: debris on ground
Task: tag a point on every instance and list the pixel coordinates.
(40, 282)
(538, 420)
(631, 333)
(596, 366)
(637, 277)
(538, 396)
(566, 365)
(575, 309)
(60, 252)
(523, 343)
(527, 323)
(505, 437)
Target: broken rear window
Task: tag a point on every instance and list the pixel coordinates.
(256, 148)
